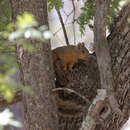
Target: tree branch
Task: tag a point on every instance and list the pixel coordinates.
(93, 113)
(71, 91)
(63, 27)
(102, 51)
(73, 21)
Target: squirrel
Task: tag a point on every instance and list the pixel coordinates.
(69, 104)
(69, 55)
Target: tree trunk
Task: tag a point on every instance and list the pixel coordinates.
(36, 71)
(119, 41)
(102, 52)
(84, 81)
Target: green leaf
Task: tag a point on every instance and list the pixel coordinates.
(86, 16)
(25, 21)
(58, 4)
(5, 14)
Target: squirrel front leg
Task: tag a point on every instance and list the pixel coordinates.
(70, 66)
(67, 66)
(64, 65)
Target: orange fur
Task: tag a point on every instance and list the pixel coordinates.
(69, 55)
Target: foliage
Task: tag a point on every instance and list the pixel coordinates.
(7, 58)
(26, 29)
(7, 85)
(88, 12)
(86, 16)
(5, 14)
(124, 2)
(5, 18)
(55, 3)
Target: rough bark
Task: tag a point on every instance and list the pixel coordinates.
(90, 121)
(119, 42)
(102, 52)
(36, 72)
(85, 80)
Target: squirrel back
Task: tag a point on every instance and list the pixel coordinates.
(69, 55)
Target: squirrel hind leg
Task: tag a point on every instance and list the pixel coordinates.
(70, 67)
(64, 67)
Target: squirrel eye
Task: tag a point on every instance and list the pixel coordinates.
(83, 51)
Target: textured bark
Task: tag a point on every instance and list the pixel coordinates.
(102, 52)
(95, 108)
(36, 72)
(119, 41)
(85, 79)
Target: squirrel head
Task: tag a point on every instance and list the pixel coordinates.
(83, 52)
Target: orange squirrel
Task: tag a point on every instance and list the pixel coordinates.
(69, 55)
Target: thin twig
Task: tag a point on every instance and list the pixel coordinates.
(57, 31)
(67, 15)
(73, 21)
(63, 27)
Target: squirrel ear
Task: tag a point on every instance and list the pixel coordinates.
(80, 45)
(83, 44)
